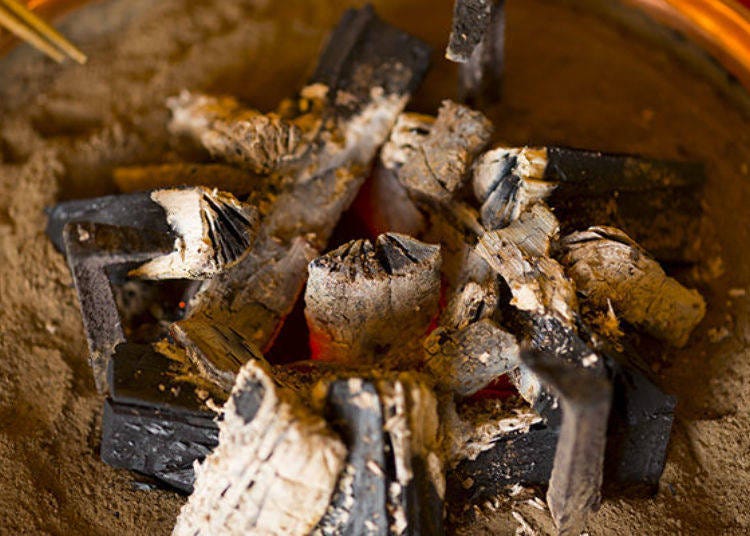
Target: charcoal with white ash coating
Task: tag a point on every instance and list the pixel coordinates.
(610, 269)
(363, 80)
(393, 482)
(373, 303)
(275, 468)
(172, 233)
(655, 201)
(477, 44)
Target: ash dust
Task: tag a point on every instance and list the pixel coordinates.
(574, 78)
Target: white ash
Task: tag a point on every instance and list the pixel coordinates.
(214, 230)
(527, 163)
(274, 474)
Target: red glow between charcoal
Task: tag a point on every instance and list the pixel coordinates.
(296, 343)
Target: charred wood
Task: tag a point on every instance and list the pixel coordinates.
(477, 43)
(575, 483)
(610, 268)
(656, 201)
(275, 468)
(368, 303)
(157, 420)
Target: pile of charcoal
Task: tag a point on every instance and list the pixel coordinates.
(478, 341)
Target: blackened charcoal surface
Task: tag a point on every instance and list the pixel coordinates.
(518, 458)
(639, 430)
(470, 21)
(361, 38)
(359, 504)
(160, 443)
(132, 210)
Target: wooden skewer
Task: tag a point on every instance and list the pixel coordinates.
(28, 26)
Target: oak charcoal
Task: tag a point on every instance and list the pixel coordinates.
(655, 201)
(94, 251)
(359, 504)
(575, 483)
(136, 210)
(366, 303)
(156, 421)
(480, 75)
(275, 468)
(608, 267)
(214, 232)
(467, 359)
(438, 170)
(640, 426)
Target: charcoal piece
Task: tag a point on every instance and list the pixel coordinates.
(440, 167)
(155, 421)
(575, 483)
(275, 468)
(365, 76)
(477, 43)
(262, 143)
(639, 429)
(368, 304)
(361, 38)
(94, 250)
(214, 231)
(466, 360)
(136, 210)
(611, 270)
(523, 457)
(470, 20)
(359, 505)
(655, 201)
(416, 487)
(470, 303)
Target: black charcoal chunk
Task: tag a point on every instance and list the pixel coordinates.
(136, 210)
(516, 458)
(359, 504)
(154, 422)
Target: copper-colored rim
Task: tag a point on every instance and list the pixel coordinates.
(722, 27)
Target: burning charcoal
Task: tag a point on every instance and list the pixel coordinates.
(355, 112)
(226, 178)
(438, 170)
(388, 486)
(156, 420)
(214, 229)
(655, 201)
(470, 358)
(608, 267)
(575, 483)
(366, 302)
(217, 338)
(275, 468)
(477, 43)
(261, 142)
(390, 208)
